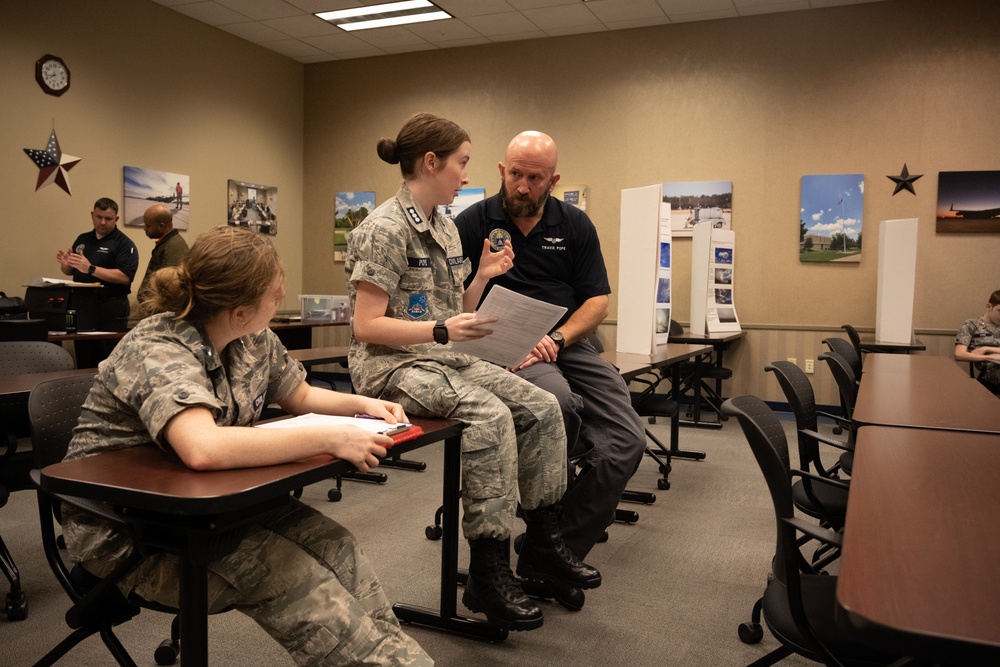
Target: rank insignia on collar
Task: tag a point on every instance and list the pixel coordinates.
(414, 216)
(498, 239)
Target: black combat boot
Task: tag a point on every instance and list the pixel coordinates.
(491, 588)
(545, 556)
(570, 597)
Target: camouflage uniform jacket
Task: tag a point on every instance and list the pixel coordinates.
(420, 265)
(979, 333)
(160, 368)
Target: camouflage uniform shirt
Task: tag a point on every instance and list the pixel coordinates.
(979, 333)
(424, 283)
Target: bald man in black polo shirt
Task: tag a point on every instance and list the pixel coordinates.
(557, 259)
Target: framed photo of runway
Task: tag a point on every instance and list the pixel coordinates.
(142, 188)
(968, 202)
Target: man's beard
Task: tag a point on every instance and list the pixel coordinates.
(521, 208)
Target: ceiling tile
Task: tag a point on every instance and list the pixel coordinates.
(387, 37)
(501, 24)
(254, 32)
(462, 8)
(261, 9)
(211, 13)
(625, 10)
(671, 7)
(305, 25)
(561, 17)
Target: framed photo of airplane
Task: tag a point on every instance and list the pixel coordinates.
(968, 201)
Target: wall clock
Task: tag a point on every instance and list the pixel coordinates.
(52, 74)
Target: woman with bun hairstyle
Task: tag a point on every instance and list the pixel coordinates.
(405, 273)
(193, 380)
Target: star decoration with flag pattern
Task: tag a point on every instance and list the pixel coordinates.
(904, 181)
(52, 164)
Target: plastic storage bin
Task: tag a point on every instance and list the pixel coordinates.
(324, 308)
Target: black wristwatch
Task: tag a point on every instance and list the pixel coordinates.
(558, 339)
(90, 270)
(440, 332)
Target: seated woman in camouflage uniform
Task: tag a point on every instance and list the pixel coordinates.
(978, 341)
(405, 273)
(194, 379)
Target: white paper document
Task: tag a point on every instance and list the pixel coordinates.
(313, 419)
(522, 322)
(45, 282)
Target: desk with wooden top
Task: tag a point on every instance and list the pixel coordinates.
(870, 344)
(21, 385)
(918, 572)
(923, 391)
(201, 515)
(668, 357)
(720, 341)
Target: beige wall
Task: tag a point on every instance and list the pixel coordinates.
(760, 101)
(150, 88)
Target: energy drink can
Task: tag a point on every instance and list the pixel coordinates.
(70, 321)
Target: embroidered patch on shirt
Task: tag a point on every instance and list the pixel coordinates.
(418, 306)
(258, 401)
(419, 262)
(456, 261)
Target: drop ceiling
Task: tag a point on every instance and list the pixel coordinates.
(289, 27)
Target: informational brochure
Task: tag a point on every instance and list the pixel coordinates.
(522, 322)
(370, 424)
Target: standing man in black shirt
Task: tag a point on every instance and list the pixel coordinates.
(557, 259)
(106, 256)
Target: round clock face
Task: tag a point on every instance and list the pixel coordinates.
(52, 75)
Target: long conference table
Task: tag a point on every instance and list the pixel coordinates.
(919, 572)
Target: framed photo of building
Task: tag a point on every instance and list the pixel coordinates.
(350, 209)
(830, 218)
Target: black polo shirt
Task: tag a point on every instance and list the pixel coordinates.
(559, 261)
(114, 251)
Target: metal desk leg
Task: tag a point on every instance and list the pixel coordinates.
(675, 452)
(446, 617)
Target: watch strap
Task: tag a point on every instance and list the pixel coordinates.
(440, 332)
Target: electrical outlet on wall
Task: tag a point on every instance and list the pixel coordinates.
(809, 365)
(793, 360)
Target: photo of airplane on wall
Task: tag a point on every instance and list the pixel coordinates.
(968, 201)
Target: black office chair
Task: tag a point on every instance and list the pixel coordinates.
(24, 329)
(847, 387)
(799, 603)
(650, 405)
(846, 350)
(855, 339)
(18, 358)
(98, 604)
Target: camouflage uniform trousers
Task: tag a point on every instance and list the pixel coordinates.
(514, 441)
(304, 579)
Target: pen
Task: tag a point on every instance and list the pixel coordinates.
(362, 415)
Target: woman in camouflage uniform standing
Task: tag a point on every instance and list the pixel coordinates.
(405, 273)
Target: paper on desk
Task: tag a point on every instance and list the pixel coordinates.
(522, 322)
(313, 419)
(44, 282)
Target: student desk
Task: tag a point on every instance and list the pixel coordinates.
(21, 385)
(919, 391)
(298, 335)
(869, 344)
(199, 515)
(719, 341)
(317, 356)
(666, 356)
(918, 573)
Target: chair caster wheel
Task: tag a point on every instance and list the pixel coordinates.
(662, 484)
(837, 430)
(334, 495)
(751, 633)
(17, 606)
(433, 532)
(166, 652)
(665, 469)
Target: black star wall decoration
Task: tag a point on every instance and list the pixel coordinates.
(52, 164)
(904, 181)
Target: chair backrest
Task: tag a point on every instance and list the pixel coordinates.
(855, 337)
(846, 350)
(54, 407)
(675, 329)
(846, 383)
(26, 329)
(21, 357)
(799, 392)
(766, 438)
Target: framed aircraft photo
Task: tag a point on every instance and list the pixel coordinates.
(968, 201)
